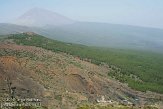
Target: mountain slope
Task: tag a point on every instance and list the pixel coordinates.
(38, 17)
(6, 28)
(142, 65)
(56, 26)
(63, 80)
(110, 35)
(98, 34)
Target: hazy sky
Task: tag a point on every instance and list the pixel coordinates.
(133, 12)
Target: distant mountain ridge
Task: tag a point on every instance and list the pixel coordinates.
(41, 17)
(59, 27)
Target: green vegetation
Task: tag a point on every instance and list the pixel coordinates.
(112, 107)
(29, 107)
(58, 97)
(19, 54)
(141, 70)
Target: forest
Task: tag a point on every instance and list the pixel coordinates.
(141, 70)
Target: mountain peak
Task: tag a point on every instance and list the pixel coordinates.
(40, 17)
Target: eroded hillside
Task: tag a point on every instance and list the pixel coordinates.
(61, 80)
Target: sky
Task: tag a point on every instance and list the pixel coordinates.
(148, 13)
